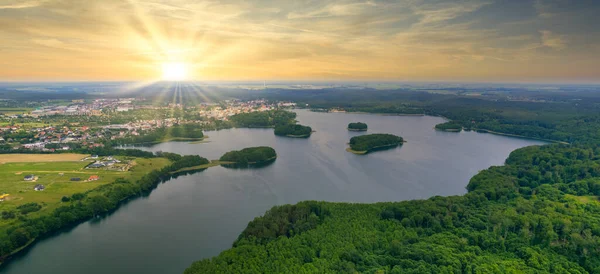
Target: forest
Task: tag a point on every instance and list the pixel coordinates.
(358, 126)
(184, 132)
(539, 213)
(293, 130)
(250, 155)
(270, 118)
(369, 142)
(449, 126)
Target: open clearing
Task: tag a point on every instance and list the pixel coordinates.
(30, 158)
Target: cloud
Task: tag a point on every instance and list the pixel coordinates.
(440, 12)
(20, 4)
(553, 41)
(332, 10)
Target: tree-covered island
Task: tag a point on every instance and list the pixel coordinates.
(250, 156)
(358, 126)
(293, 130)
(366, 143)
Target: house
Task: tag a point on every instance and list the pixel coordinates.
(75, 179)
(39, 187)
(94, 178)
(29, 177)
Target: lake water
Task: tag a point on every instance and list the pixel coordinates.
(198, 216)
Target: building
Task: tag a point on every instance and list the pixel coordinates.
(39, 188)
(29, 177)
(94, 178)
(75, 179)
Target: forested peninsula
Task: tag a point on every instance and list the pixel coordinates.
(250, 156)
(185, 132)
(25, 229)
(449, 127)
(293, 130)
(366, 143)
(358, 126)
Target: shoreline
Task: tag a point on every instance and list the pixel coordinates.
(355, 129)
(518, 136)
(363, 152)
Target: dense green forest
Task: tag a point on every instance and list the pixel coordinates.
(449, 126)
(358, 126)
(176, 132)
(369, 142)
(293, 130)
(263, 119)
(250, 155)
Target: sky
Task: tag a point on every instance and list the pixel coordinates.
(403, 40)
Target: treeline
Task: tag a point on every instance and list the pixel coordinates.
(251, 155)
(105, 150)
(539, 213)
(358, 126)
(374, 141)
(269, 118)
(83, 206)
(185, 131)
(449, 126)
(293, 130)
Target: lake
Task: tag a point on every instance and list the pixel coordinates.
(198, 216)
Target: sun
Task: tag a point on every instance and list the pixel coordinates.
(174, 71)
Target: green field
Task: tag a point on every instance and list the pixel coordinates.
(56, 177)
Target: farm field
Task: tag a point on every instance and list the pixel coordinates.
(57, 178)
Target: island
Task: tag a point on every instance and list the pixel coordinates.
(358, 126)
(249, 156)
(449, 127)
(366, 143)
(293, 130)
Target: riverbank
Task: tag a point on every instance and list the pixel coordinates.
(355, 129)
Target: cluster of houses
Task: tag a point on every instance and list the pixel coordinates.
(41, 138)
(234, 107)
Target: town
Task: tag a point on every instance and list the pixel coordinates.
(89, 124)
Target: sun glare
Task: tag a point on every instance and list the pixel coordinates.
(174, 71)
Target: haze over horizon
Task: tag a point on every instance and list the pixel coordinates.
(413, 40)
